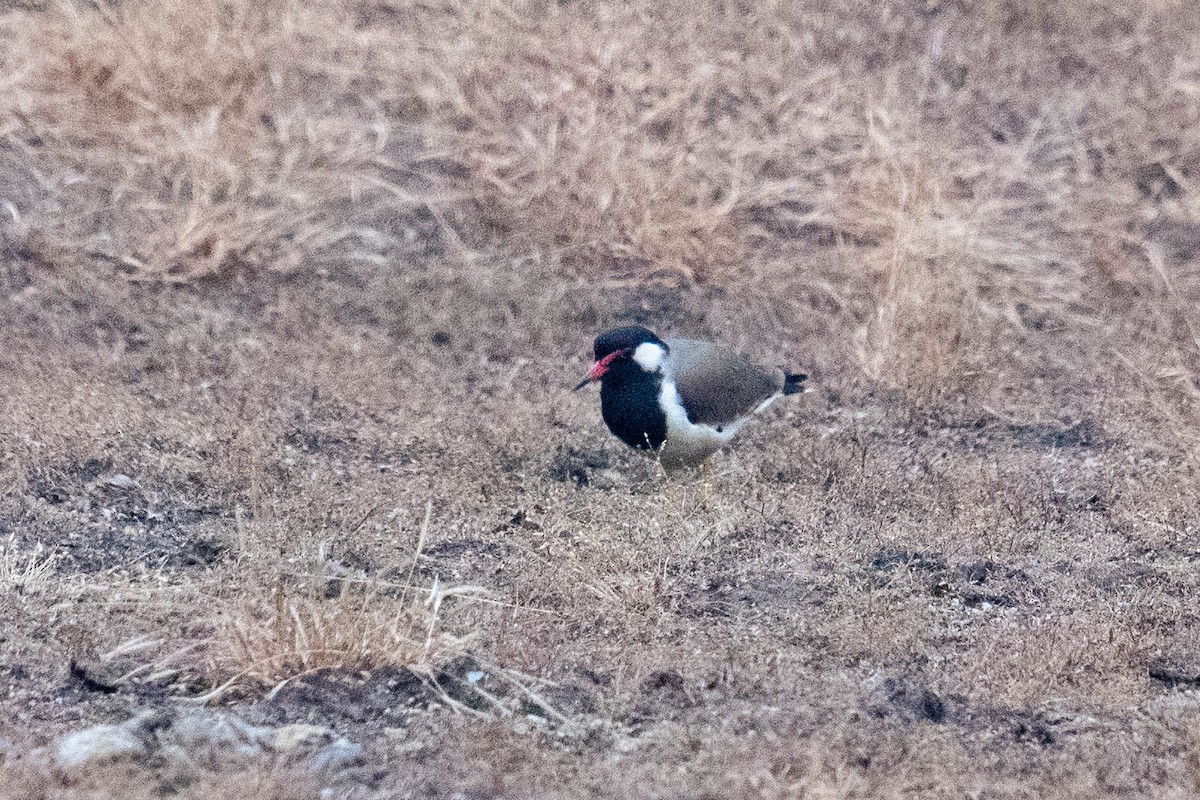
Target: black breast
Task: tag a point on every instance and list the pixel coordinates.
(629, 404)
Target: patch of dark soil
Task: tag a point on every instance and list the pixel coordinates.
(907, 700)
(997, 576)
(476, 686)
(662, 682)
(713, 599)
(1038, 728)
(1034, 731)
(347, 699)
(599, 678)
(979, 572)
(124, 680)
(733, 595)
(1176, 671)
(577, 465)
(465, 548)
(1179, 238)
(972, 598)
(521, 519)
(98, 519)
(98, 690)
(984, 433)
(98, 545)
(187, 515)
(977, 599)
(202, 552)
(1123, 574)
(466, 559)
(661, 695)
(889, 560)
(1155, 182)
(568, 699)
(58, 484)
(665, 307)
(1077, 434)
(1009, 587)
(311, 441)
(888, 696)
(96, 677)
(975, 434)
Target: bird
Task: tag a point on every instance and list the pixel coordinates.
(680, 400)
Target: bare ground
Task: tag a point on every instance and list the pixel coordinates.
(291, 307)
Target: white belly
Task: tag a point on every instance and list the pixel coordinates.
(687, 443)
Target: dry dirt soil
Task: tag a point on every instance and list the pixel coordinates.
(292, 296)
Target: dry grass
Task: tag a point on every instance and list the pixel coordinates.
(21, 571)
(282, 282)
(181, 141)
(249, 784)
(331, 622)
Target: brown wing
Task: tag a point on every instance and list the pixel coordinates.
(717, 386)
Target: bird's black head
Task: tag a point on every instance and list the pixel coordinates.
(615, 346)
(627, 338)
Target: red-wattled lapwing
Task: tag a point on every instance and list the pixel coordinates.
(679, 399)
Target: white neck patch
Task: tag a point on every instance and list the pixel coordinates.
(649, 356)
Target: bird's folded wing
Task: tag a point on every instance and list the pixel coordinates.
(717, 386)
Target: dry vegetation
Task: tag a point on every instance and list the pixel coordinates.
(291, 293)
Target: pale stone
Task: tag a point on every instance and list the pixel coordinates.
(99, 744)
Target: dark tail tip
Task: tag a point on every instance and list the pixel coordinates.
(792, 383)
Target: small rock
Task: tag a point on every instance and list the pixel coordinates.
(289, 737)
(146, 724)
(182, 743)
(213, 738)
(327, 752)
(336, 756)
(99, 744)
(121, 481)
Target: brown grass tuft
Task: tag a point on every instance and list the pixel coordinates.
(928, 331)
(23, 569)
(326, 621)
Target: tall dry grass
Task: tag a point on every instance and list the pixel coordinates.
(328, 621)
(983, 174)
(184, 140)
